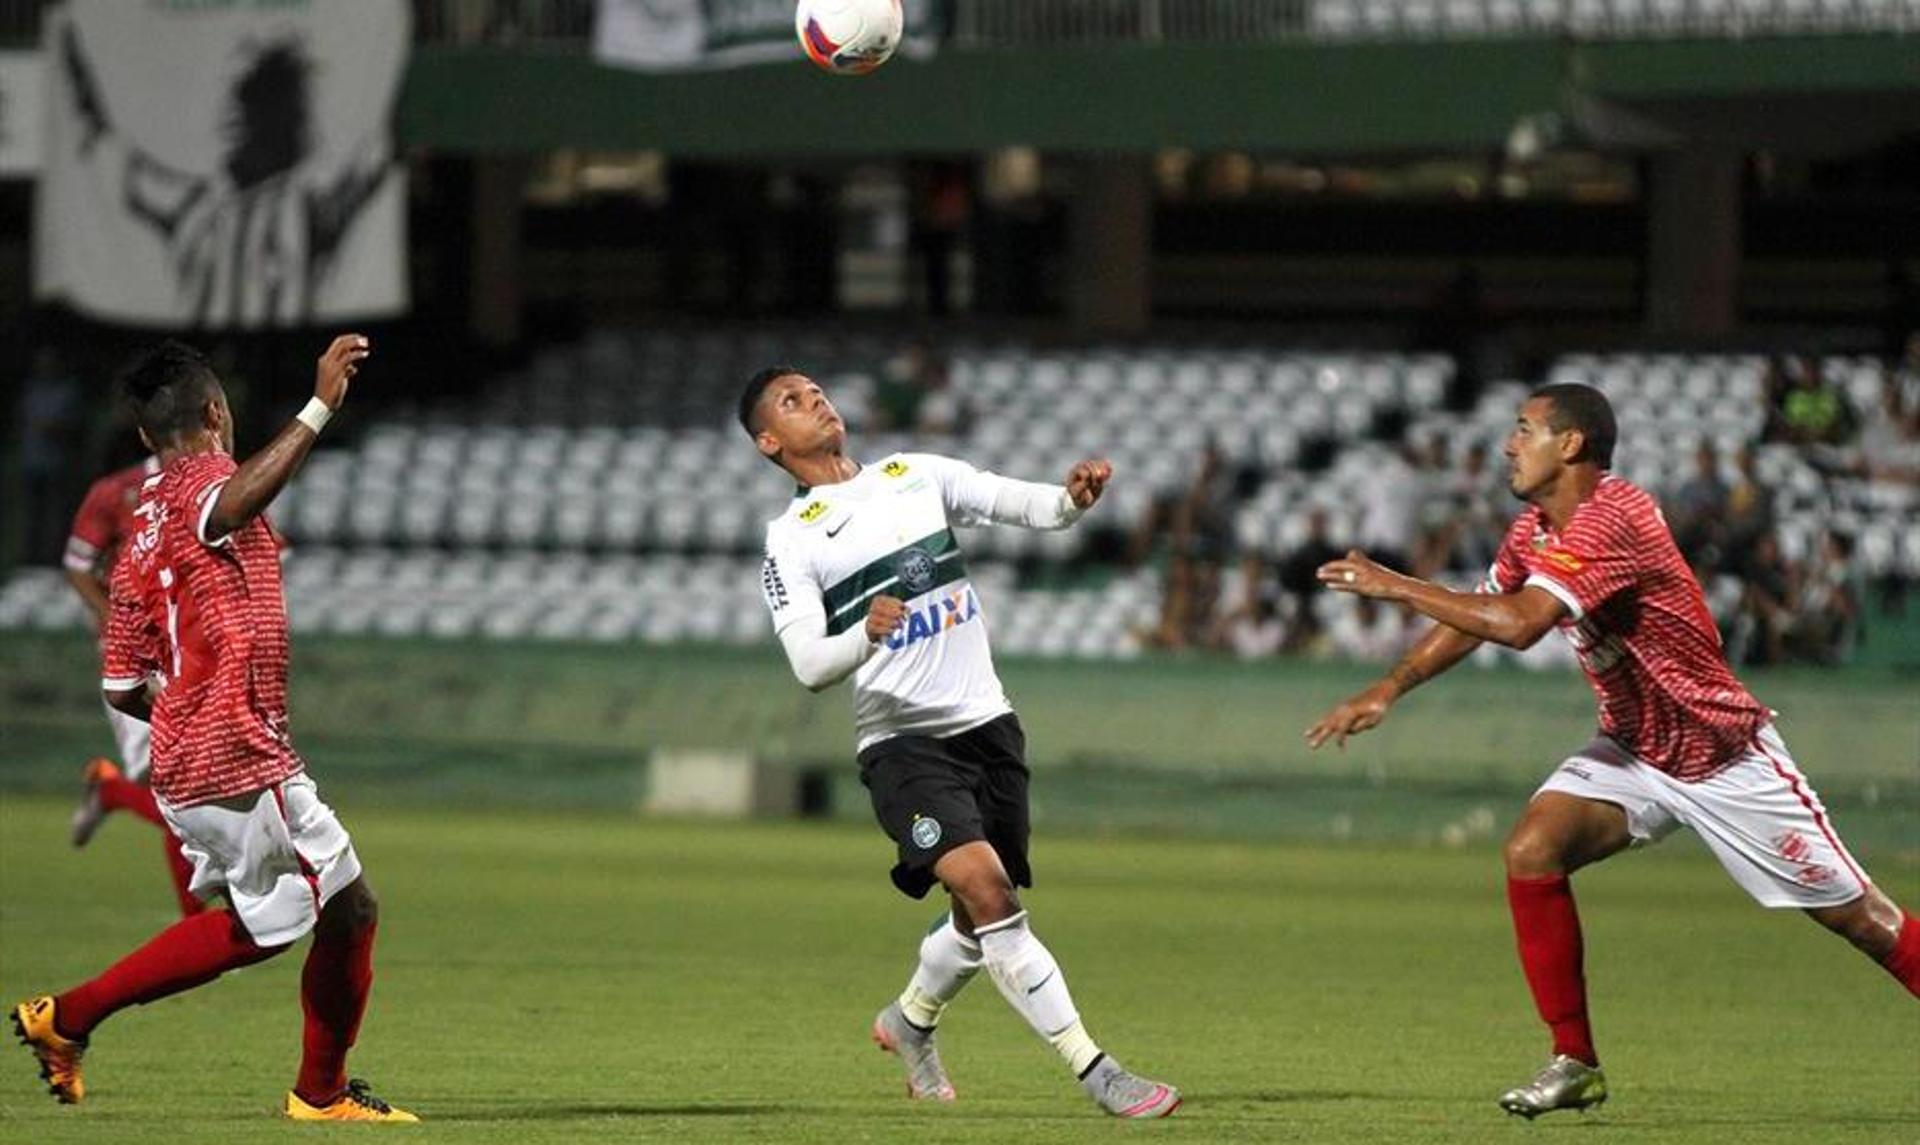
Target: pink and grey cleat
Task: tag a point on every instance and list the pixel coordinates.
(1128, 1095)
(926, 1077)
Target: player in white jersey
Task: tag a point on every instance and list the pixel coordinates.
(864, 579)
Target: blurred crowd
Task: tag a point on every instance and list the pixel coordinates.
(1439, 512)
(1430, 506)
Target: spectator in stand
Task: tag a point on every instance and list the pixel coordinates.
(1888, 448)
(1298, 581)
(1392, 492)
(1697, 510)
(1749, 513)
(1480, 492)
(1830, 590)
(1253, 629)
(1768, 607)
(1200, 540)
(1806, 410)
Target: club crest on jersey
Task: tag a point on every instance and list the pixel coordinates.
(935, 618)
(925, 832)
(813, 512)
(894, 468)
(1563, 560)
(916, 569)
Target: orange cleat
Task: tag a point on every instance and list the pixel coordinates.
(59, 1056)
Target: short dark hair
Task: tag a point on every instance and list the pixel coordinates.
(757, 385)
(1586, 409)
(168, 385)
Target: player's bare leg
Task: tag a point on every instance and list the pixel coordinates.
(1032, 983)
(1879, 929)
(1558, 835)
(334, 985)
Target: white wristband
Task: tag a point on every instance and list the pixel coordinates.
(315, 415)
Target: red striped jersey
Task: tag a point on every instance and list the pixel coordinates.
(105, 517)
(1640, 626)
(211, 618)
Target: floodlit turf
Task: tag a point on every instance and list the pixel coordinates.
(569, 978)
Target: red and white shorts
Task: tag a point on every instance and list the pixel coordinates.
(279, 855)
(134, 738)
(1759, 816)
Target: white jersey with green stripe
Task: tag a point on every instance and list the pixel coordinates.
(888, 530)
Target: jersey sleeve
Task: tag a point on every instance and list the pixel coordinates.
(93, 528)
(200, 483)
(789, 586)
(129, 649)
(1508, 573)
(1593, 560)
(966, 492)
(976, 497)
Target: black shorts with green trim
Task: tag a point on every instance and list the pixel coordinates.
(934, 793)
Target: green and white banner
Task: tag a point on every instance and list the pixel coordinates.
(686, 35)
(223, 164)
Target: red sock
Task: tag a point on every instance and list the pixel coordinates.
(1547, 925)
(334, 986)
(1903, 961)
(122, 794)
(186, 954)
(180, 870)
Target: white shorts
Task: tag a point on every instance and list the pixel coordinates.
(134, 739)
(1759, 816)
(279, 854)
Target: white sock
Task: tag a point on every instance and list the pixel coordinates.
(948, 961)
(1032, 983)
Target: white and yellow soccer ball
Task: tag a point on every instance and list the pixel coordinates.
(849, 37)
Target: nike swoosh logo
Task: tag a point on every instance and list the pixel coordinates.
(1041, 983)
(834, 532)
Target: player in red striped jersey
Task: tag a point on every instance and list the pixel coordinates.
(196, 598)
(101, 526)
(1681, 741)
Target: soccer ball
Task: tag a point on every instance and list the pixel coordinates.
(848, 37)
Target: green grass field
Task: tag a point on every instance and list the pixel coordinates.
(559, 977)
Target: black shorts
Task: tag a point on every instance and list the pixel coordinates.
(932, 794)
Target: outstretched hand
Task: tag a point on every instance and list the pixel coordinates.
(337, 366)
(1087, 480)
(1349, 717)
(1358, 574)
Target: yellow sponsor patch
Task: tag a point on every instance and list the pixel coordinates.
(895, 468)
(1562, 559)
(813, 512)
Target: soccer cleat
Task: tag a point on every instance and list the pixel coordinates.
(1563, 1083)
(926, 1077)
(1128, 1095)
(90, 814)
(59, 1056)
(355, 1103)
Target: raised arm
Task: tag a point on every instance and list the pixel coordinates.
(1514, 619)
(261, 477)
(979, 497)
